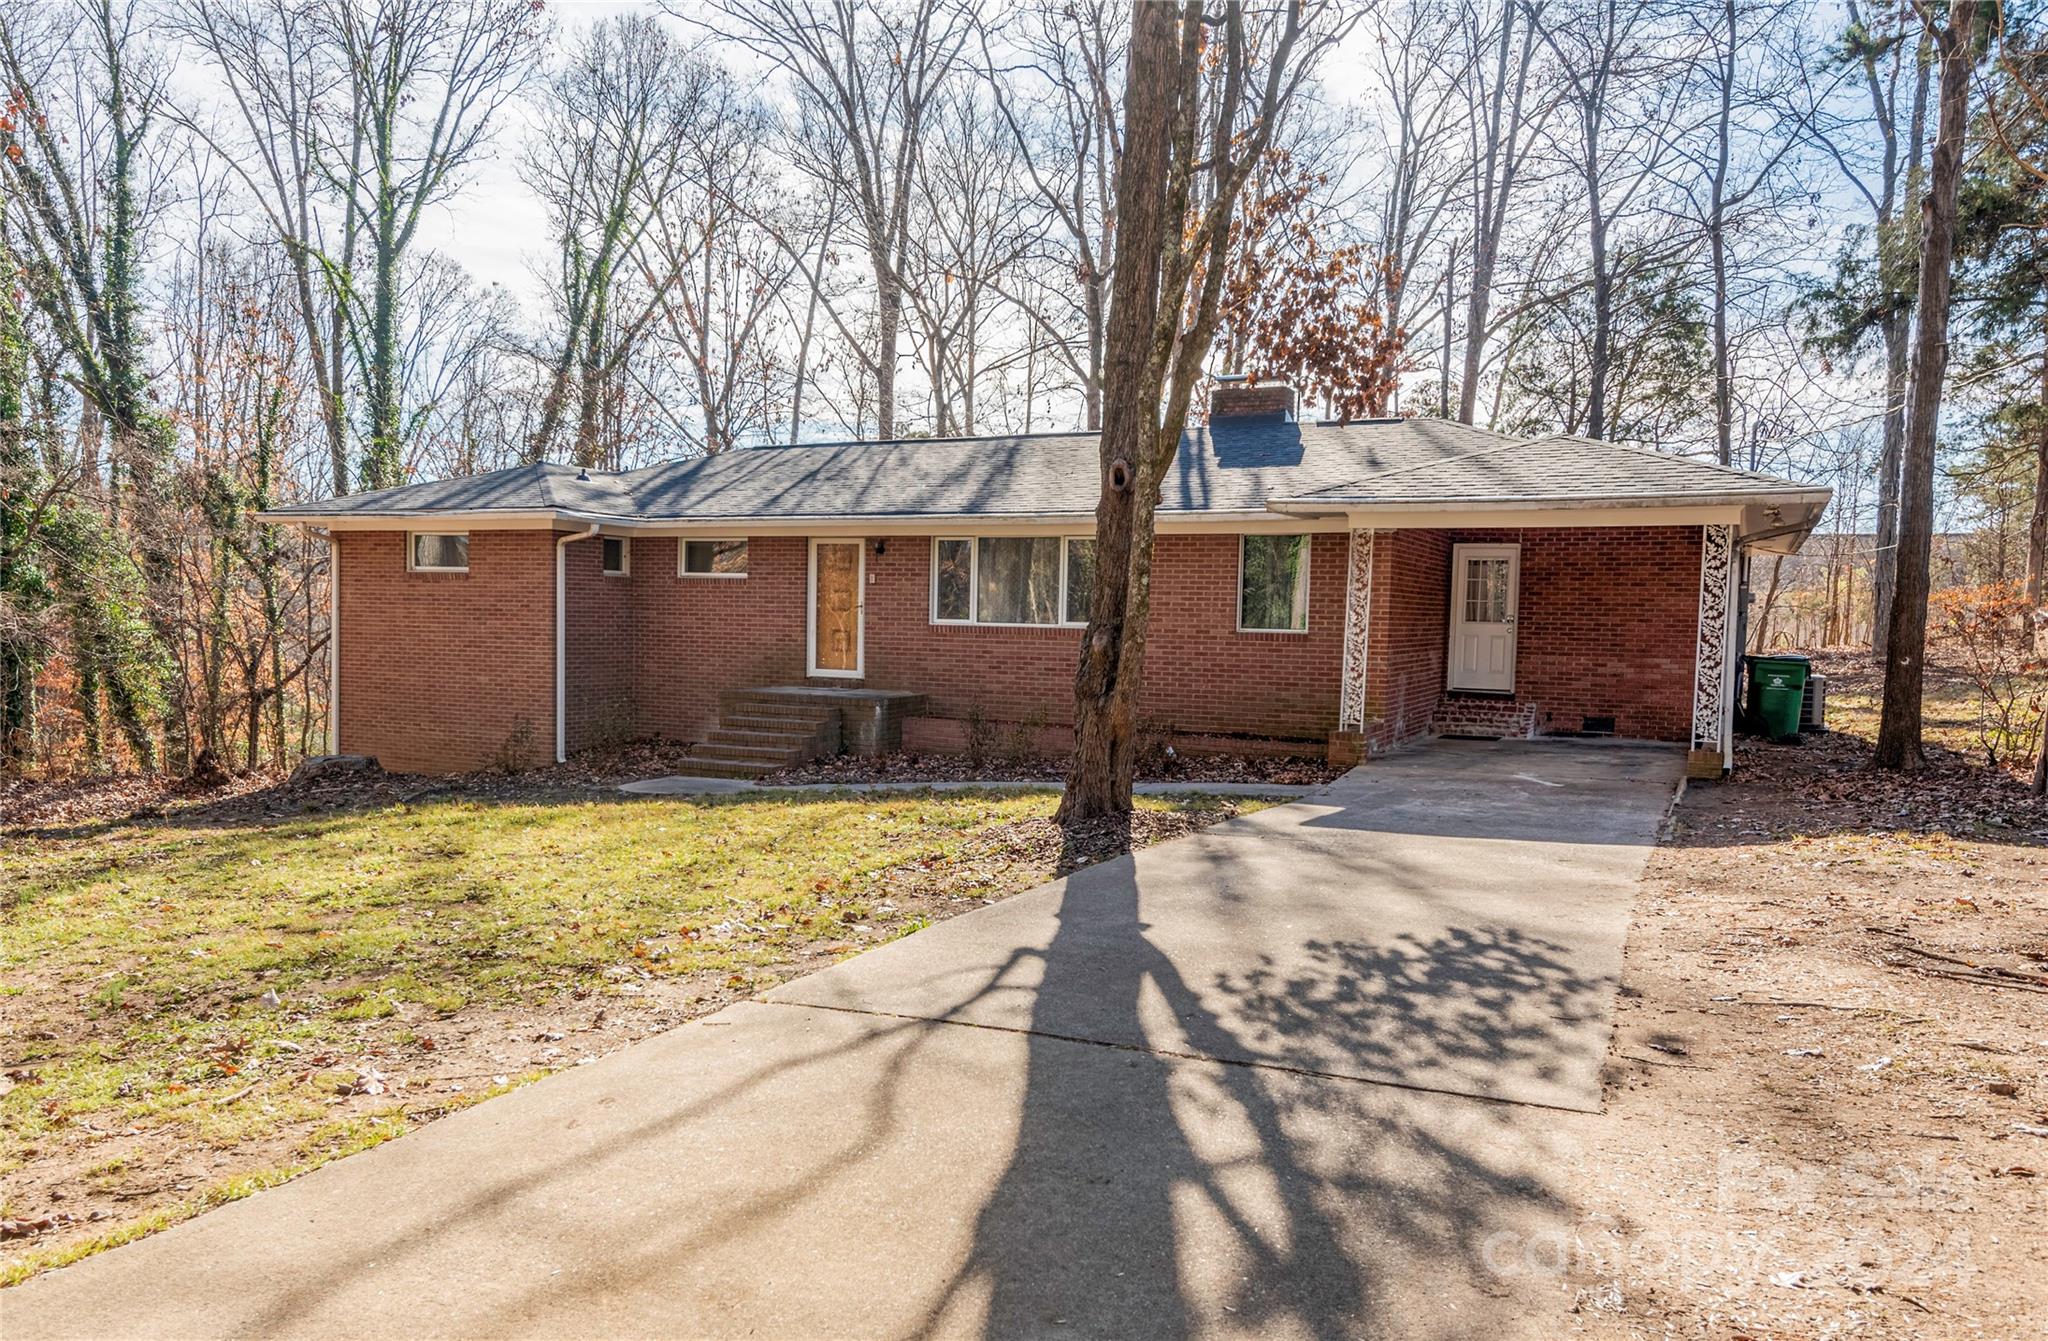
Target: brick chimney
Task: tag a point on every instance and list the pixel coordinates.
(1238, 397)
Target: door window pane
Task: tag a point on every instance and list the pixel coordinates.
(715, 558)
(1018, 580)
(1486, 591)
(1080, 579)
(954, 580)
(1273, 594)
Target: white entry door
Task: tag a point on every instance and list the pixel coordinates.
(1485, 584)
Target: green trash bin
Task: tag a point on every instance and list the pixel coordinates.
(1777, 693)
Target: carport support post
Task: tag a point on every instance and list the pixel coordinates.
(1713, 717)
(1348, 745)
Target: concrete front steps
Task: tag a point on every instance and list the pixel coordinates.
(760, 731)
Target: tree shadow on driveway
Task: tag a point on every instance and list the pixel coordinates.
(1260, 1199)
(1173, 1156)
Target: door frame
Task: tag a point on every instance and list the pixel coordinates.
(1512, 552)
(860, 609)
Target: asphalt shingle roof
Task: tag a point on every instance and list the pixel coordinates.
(1236, 465)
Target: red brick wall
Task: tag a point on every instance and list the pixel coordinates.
(696, 636)
(602, 694)
(1410, 632)
(438, 670)
(1608, 626)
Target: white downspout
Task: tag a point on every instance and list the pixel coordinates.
(562, 639)
(333, 643)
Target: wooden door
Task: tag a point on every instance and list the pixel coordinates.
(836, 573)
(1485, 589)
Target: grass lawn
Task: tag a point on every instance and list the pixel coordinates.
(200, 1007)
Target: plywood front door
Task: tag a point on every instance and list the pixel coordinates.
(1485, 590)
(836, 591)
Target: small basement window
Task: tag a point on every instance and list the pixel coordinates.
(1272, 584)
(438, 552)
(617, 559)
(714, 558)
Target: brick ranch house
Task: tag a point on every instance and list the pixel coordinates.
(1318, 588)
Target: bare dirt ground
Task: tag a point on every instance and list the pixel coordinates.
(1828, 1089)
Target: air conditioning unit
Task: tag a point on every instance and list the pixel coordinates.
(1813, 710)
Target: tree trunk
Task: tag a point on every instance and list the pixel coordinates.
(888, 325)
(2037, 523)
(1892, 258)
(381, 462)
(1717, 241)
(1113, 646)
(1898, 733)
(1489, 214)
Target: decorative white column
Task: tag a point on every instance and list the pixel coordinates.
(1357, 632)
(1714, 660)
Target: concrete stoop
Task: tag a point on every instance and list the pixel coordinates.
(762, 730)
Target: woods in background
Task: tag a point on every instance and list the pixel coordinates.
(224, 283)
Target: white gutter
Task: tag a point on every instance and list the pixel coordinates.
(1547, 503)
(333, 643)
(562, 640)
(796, 523)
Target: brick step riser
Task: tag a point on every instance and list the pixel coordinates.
(781, 726)
(775, 756)
(719, 768)
(726, 737)
(774, 705)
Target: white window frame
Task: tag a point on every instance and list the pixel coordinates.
(974, 585)
(1308, 547)
(625, 568)
(412, 550)
(683, 544)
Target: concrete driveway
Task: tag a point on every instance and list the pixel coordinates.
(1308, 1074)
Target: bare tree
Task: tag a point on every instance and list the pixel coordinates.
(616, 121)
(1419, 62)
(719, 271)
(1055, 85)
(866, 78)
(1502, 136)
(967, 242)
(1898, 731)
(422, 82)
(1623, 89)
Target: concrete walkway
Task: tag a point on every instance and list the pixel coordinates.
(690, 785)
(1307, 1074)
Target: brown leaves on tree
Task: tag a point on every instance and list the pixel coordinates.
(1299, 310)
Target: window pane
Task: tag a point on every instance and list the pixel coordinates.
(614, 554)
(954, 580)
(440, 551)
(724, 557)
(1275, 590)
(1080, 579)
(1018, 580)
(1486, 591)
